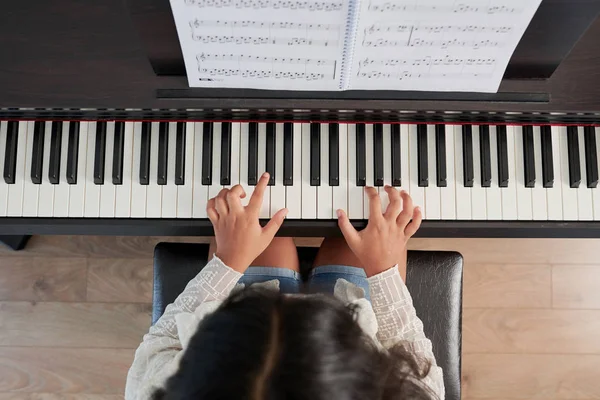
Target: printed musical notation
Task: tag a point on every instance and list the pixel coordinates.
(425, 61)
(245, 58)
(435, 29)
(457, 7)
(258, 40)
(197, 23)
(269, 4)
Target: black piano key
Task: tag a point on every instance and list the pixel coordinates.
(100, 153)
(253, 153)
(118, 153)
(396, 152)
(163, 152)
(574, 161)
(315, 154)
(591, 157)
(467, 142)
(37, 156)
(528, 156)
(180, 154)
(145, 154)
(361, 155)
(73, 153)
(378, 154)
(334, 155)
(547, 158)
(10, 154)
(270, 152)
(440, 155)
(55, 150)
(207, 153)
(422, 161)
(288, 154)
(226, 153)
(502, 156)
(485, 161)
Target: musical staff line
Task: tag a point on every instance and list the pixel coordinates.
(264, 40)
(442, 44)
(265, 4)
(457, 7)
(197, 23)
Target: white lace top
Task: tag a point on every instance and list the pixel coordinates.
(158, 355)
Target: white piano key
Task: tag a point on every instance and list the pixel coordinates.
(278, 190)
(107, 191)
(355, 193)
(585, 207)
(185, 192)
(478, 200)
(554, 194)
(432, 191)
(169, 191)
(215, 187)
(416, 192)
(61, 191)
(539, 203)
(200, 196)
(293, 193)
(369, 167)
(569, 196)
(46, 195)
(123, 193)
(235, 153)
(463, 194)
(92, 191)
(30, 190)
(265, 208)
(324, 192)
(4, 187)
(244, 163)
(340, 193)
(404, 158)
(595, 192)
(138, 191)
(77, 190)
(153, 190)
(448, 193)
(524, 211)
(15, 193)
(493, 194)
(509, 194)
(309, 193)
(387, 166)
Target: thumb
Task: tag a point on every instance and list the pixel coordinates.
(350, 234)
(275, 223)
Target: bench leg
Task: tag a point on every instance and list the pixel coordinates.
(15, 242)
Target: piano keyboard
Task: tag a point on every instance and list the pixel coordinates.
(170, 169)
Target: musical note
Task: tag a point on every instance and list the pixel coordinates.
(197, 23)
(265, 4)
(244, 58)
(462, 7)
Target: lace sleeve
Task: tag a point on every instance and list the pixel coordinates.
(156, 357)
(398, 322)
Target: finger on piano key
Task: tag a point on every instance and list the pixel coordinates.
(61, 190)
(324, 191)
(539, 203)
(169, 190)
(478, 199)
(200, 190)
(185, 189)
(463, 191)
(215, 187)
(574, 159)
(225, 169)
(386, 156)
(293, 193)
(369, 139)
(123, 197)
(554, 194)
(416, 191)
(422, 158)
(340, 192)
(355, 192)
(253, 154)
(309, 192)
(569, 195)
(278, 200)
(8, 151)
(595, 193)
(396, 147)
(270, 152)
(30, 189)
(493, 193)
(524, 210)
(77, 189)
(432, 191)
(15, 192)
(265, 209)
(3, 184)
(154, 190)
(502, 156)
(585, 207)
(547, 158)
(100, 152)
(509, 194)
(591, 157)
(107, 189)
(140, 165)
(117, 162)
(144, 160)
(378, 155)
(245, 173)
(46, 195)
(448, 192)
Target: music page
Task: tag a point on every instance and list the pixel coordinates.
(437, 45)
(262, 44)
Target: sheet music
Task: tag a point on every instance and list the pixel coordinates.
(437, 45)
(262, 44)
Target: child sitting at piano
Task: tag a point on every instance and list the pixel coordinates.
(349, 332)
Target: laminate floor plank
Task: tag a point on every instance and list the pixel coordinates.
(576, 286)
(122, 280)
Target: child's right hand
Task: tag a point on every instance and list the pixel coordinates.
(382, 243)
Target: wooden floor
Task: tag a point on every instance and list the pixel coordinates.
(73, 309)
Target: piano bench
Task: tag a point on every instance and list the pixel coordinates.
(434, 279)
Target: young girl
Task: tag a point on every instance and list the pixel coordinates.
(349, 332)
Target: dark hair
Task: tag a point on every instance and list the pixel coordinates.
(263, 345)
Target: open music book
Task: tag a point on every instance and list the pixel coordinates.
(434, 45)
